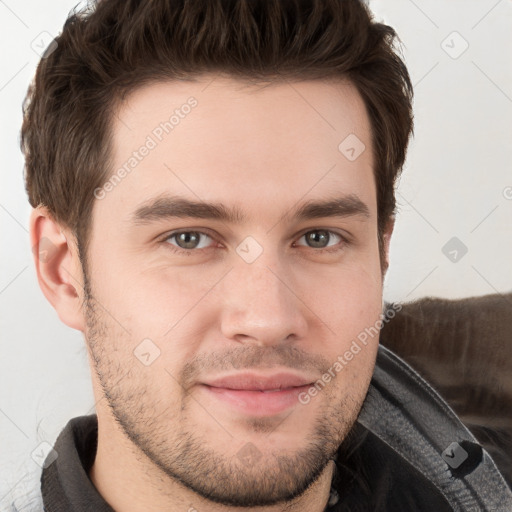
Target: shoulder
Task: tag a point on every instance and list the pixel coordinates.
(412, 428)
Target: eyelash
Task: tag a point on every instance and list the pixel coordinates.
(189, 252)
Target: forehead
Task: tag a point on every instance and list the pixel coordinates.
(218, 138)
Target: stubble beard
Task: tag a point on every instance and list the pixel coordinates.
(175, 445)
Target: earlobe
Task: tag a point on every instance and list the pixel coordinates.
(58, 267)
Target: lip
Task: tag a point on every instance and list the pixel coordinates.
(250, 381)
(257, 394)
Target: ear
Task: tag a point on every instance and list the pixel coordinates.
(58, 267)
(386, 236)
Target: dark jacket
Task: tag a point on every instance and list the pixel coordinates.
(408, 451)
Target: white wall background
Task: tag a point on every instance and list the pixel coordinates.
(457, 183)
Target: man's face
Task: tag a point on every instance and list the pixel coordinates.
(271, 299)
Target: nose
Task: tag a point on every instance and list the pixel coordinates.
(263, 303)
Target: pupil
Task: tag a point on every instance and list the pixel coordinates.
(186, 237)
(313, 237)
(190, 239)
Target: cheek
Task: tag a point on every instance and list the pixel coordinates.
(349, 299)
(145, 294)
(351, 305)
(151, 299)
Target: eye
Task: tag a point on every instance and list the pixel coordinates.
(186, 241)
(318, 238)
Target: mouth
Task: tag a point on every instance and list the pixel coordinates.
(257, 395)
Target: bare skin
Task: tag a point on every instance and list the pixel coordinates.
(226, 304)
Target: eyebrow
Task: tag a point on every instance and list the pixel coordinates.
(167, 207)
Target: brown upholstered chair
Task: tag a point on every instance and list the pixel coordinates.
(463, 348)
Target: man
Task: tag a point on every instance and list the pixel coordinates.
(213, 194)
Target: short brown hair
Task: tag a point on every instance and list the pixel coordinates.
(113, 46)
